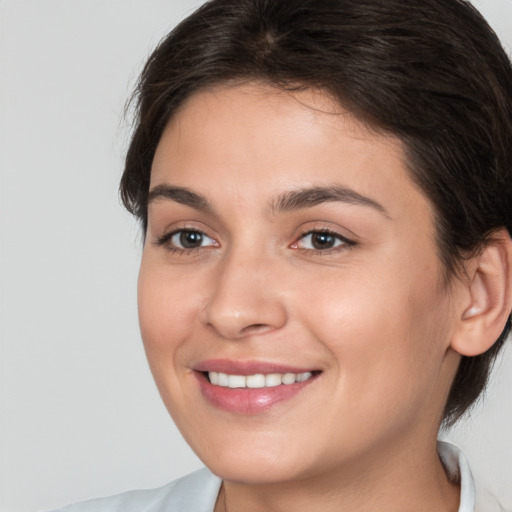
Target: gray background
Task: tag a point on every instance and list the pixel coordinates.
(79, 413)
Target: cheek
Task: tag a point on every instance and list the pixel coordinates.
(387, 333)
(167, 317)
(167, 314)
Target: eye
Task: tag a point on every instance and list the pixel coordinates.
(186, 239)
(321, 241)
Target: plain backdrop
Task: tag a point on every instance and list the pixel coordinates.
(79, 413)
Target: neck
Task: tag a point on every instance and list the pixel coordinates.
(393, 481)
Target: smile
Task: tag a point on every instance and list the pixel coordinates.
(251, 387)
(256, 381)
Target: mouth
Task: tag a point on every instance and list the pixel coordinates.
(251, 388)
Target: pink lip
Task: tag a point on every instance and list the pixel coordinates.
(246, 367)
(247, 400)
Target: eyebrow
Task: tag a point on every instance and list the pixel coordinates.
(312, 196)
(180, 195)
(285, 202)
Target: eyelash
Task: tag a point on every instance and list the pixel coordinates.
(164, 241)
(346, 243)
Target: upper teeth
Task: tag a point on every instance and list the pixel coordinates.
(258, 380)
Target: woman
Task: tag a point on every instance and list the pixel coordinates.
(324, 188)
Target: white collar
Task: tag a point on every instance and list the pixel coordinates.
(458, 471)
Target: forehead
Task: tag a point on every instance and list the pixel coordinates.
(241, 144)
(255, 138)
(257, 104)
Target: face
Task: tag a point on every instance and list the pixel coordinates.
(290, 294)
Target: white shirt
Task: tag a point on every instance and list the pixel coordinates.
(198, 491)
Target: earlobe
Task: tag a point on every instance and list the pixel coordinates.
(488, 302)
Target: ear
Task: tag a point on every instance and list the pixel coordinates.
(487, 301)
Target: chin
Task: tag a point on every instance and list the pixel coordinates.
(254, 470)
(252, 461)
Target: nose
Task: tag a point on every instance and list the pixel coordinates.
(245, 298)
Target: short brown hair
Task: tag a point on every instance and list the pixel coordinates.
(432, 73)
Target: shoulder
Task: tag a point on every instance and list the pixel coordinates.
(196, 492)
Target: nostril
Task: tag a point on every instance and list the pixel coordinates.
(256, 328)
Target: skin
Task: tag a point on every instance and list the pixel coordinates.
(374, 316)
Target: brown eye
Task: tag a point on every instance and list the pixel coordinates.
(322, 240)
(187, 239)
(190, 239)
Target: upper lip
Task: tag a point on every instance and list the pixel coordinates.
(246, 367)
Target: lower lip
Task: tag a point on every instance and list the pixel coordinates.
(249, 400)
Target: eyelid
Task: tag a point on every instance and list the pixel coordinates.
(165, 239)
(346, 242)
